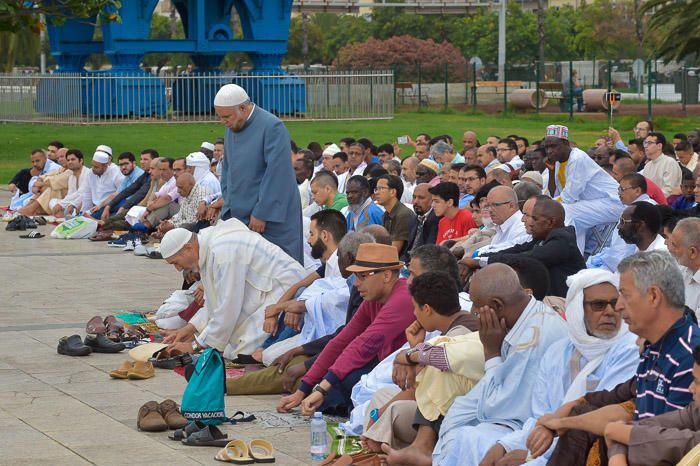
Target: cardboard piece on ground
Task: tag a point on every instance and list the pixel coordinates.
(145, 352)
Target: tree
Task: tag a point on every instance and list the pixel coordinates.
(674, 24)
(18, 15)
(606, 29)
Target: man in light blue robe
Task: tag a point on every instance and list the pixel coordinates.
(257, 180)
(499, 403)
(599, 354)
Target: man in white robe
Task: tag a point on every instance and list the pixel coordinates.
(200, 167)
(516, 331)
(103, 180)
(587, 192)
(241, 273)
(73, 199)
(599, 354)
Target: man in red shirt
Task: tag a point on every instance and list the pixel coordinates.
(375, 331)
(455, 222)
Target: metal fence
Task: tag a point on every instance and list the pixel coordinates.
(646, 85)
(99, 98)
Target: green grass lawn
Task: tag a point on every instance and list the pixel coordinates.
(177, 140)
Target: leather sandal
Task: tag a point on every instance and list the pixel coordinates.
(186, 431)
(96, 326)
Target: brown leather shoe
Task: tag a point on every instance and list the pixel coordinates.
(171, 413)
(96, 326)
(150, 419)
(141, 370)
(123, 371)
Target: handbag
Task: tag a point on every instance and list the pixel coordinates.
(203, 399)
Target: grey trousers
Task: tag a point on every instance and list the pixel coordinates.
(163, 213)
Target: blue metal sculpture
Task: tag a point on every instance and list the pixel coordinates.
(207, 25)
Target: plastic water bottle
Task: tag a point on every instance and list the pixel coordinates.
(319, 438)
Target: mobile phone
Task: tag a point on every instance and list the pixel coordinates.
(402, 140)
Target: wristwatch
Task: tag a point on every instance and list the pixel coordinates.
(318, 388)
(408, 356)
(195, 347)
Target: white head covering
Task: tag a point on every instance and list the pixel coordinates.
(207, 145)
(201, 165)
(100, 157)
(105, 149)
(331, 150)
(592, 348)
(173, 241)
(230, 95)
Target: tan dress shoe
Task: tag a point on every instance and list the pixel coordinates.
(141, 370)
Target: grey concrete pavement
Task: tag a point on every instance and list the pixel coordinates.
(59, 410)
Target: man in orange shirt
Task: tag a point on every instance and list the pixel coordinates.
(455, 222)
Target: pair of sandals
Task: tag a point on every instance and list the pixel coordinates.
(238, 452)
(165, 359)
(21, 223)
(110, 327)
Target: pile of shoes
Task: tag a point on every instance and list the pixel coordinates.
(21, 223)
(159, 417)
(110, 327)
(75, 346)
(139, 370)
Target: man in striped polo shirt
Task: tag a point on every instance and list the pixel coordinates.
(652, 303)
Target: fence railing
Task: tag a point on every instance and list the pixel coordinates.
(99, 98)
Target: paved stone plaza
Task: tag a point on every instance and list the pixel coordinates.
(60, 410)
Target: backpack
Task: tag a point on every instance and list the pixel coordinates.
(203, 399)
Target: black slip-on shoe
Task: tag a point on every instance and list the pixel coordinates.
(73, 346)
(102, 344)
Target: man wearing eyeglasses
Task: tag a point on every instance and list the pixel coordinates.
(599, 354)
(375, 331)
(660, 168)
(640, 225)
(471, 179)
(651, 303)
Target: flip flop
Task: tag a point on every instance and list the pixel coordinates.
(240, 416)
(262, 451)
(40, 220)
(210, 436)
(236, 452)
(186, 431)
(33, 235)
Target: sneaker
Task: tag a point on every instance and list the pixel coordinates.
(121, 241)
(140, 249)
(130, 245)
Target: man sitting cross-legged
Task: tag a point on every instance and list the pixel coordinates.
(191, 194)
(73, 199)
(516, 331)
(375, 331)
(449, 365)
(652, 303)
(599, 354)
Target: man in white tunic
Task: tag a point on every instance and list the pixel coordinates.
(587, 192)
(241, 273)
(102, 181)
(599, 354)
(199, 166)
(516, 331)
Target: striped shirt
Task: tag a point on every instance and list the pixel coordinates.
(665, 370)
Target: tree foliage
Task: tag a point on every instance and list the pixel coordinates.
(674, 27)
(19, 15)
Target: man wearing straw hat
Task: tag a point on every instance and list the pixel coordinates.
(257, 179)
(375, 331)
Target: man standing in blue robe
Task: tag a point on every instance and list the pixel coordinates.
(257, 179)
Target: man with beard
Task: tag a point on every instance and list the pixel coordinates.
(327, 229)
(361, 210)
(640, 225)
(425, 228)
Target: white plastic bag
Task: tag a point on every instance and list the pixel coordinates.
(75, 228)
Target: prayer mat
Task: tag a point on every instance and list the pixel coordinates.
(341, 443)
(132, 318)
(293, 419)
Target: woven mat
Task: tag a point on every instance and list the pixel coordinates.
(271, 418)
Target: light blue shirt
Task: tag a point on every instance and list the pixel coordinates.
(130, 178)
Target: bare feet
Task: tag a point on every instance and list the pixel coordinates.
(409, 456)
(371, 445)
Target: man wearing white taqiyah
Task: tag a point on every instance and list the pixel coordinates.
(600, 353)
(241, 272)
(103, 180)
(257, 180)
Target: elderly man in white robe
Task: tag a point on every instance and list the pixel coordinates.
(516, 331)
(241, 273)
(587, 192)
(200, 167)
(600, 353)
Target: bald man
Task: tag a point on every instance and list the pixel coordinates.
(553, 244)
(191, 194)
(502, 206)
(516, 331)
(469, 141)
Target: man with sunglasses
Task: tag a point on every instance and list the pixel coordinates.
(375, 331)
(599, 353)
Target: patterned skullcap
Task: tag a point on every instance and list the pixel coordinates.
(558, 131)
